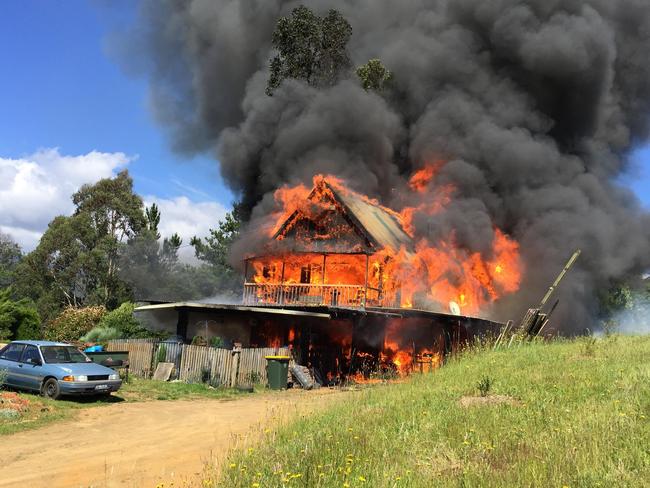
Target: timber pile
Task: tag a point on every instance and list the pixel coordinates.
(303, 376)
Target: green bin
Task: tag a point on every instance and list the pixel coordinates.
(277, 370)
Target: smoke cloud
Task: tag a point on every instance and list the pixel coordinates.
(534, 104)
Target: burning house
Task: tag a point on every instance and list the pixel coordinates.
(338, 278)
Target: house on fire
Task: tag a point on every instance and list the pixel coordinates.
(322, 285)
(333, 250)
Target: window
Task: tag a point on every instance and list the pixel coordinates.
(12, 352)
(30, 355)
(63, 354)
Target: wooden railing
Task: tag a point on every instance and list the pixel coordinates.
(352, 296)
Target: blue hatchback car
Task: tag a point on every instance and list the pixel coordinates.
(55, 369)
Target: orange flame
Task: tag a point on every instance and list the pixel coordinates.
(431, 275)
(422, 177)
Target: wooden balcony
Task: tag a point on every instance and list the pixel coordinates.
(347, 296)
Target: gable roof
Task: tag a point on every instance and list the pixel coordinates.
(376, 224)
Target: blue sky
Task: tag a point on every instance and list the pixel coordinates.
(60, 89)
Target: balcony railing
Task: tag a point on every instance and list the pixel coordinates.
(349, 296)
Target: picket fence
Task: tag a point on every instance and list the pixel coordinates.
(198, 364)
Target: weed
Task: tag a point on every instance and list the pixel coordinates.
(484, 385)
(588, 346)
(161, 355)
(252, 378)
(217, 341)
(610, 327)
(206, 375)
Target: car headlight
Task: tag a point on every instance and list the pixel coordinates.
(82, 377)
(114, 377)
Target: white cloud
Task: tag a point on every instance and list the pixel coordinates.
(36, 188)
(187, 218)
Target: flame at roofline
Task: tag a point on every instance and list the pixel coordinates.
(413, 270)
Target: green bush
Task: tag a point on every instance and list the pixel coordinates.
(101, 334)
(120, 323)
(485, 385)
(217, 341)
(161, 355)
(19, 319)
(73, 323)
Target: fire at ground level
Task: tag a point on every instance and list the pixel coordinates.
(336, 343)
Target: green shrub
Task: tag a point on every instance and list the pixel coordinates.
(73, 323)
(588, 346)
(19, 319)
(101, 334)
(161, 355)
(120, 323)
(485, 385)
(217, 341)
(123, 320)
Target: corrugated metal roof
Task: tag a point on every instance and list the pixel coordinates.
(377, 223)
(239, 308)
(378, 226)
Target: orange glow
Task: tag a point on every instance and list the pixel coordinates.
(429, 275)
(422, 177)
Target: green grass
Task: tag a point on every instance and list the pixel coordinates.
(579, 417)
(43, 411)
(145, 390)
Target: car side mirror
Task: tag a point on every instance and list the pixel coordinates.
(36, 362)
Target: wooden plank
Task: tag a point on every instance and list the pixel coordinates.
(163, 371)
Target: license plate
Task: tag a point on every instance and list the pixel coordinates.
(101, 387)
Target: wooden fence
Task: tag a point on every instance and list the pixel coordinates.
(252, 365)
(140, 355)
(199, 364)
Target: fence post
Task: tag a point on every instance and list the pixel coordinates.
(236, 353)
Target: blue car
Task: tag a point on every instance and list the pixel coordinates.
(55, 369)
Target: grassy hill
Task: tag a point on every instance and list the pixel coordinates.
(567, 413)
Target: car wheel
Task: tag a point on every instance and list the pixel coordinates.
(51, 389)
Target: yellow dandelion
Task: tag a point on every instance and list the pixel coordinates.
(233, 465)
(362, 479)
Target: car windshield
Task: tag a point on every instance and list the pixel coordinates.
(63, 354)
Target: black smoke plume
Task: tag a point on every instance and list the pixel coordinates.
(535, 104)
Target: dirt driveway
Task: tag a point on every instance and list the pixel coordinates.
(142, 444)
